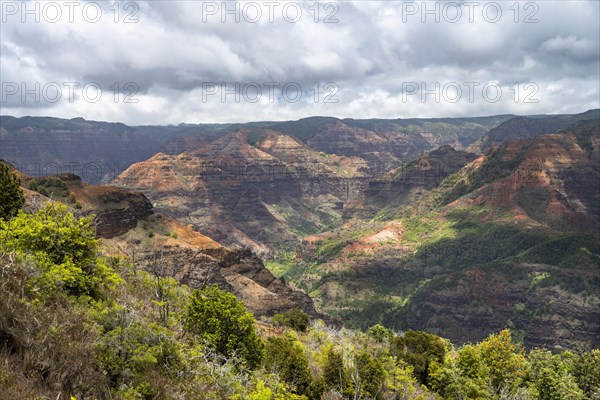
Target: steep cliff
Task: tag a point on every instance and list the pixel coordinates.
(261, 189)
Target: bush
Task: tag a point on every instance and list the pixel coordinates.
(64, 247)
(293, 318)
(222, 321)
(134, 349)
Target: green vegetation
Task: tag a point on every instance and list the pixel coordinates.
(293, 318)
(64, 249)
(420, 350)
(331, 247)
(11, 195)
(221, 321)
(380, 333)
(281, 265)
(287, 358)
(440, 250)
(52, 187)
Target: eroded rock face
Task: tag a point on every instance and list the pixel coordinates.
(260, 196)
(251, 281)
(239, 272)
(195, 260)
(114, 222)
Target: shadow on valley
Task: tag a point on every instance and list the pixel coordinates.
(477, 278)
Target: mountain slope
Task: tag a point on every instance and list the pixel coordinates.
(407, 183)
(262, 196)
(509, 240)
(519, 128)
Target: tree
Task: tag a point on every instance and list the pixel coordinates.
(463, 375)
(335, 375)
(504, 359)
(494, 368)
(380, 333)
(586, 370)
(419, 349)
(400, 379)
(11, 194)
(293, 318)
(222, 321)
(369, 376)
(285, 357)
(64, 247)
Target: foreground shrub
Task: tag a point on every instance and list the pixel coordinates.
(221, 321)
(63, 246)
(293, 318)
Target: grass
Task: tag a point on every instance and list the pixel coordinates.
(282, 264)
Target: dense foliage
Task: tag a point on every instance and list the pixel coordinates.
(223, 323)
(419, 349)
(11, 194)
(63, 247)
(293, 318)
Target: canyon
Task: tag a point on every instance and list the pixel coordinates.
(455, 226)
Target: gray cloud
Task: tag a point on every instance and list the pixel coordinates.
(373, 54)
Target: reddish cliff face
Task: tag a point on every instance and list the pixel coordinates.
(553, 180)
(259, 195)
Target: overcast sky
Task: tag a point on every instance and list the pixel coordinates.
(193, 61)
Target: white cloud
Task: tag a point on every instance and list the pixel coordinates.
(371, 54)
